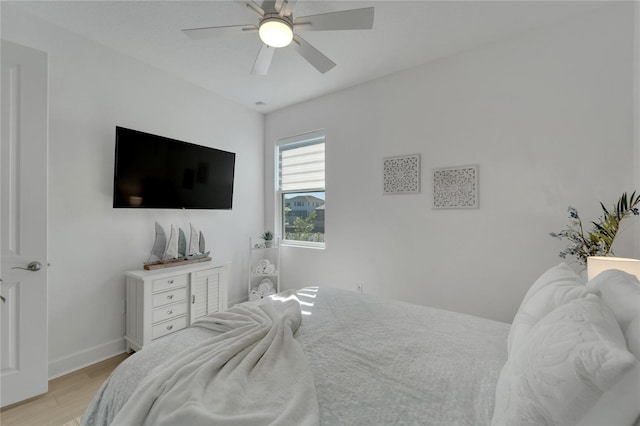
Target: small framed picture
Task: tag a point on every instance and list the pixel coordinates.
(455, 187)
(402, 174)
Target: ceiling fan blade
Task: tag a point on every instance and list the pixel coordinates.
(263, 60)
(312, 55)
(279, 4)
(270, 6)
(354, 19)
(287, 7)
(209, 32)
(251, 5)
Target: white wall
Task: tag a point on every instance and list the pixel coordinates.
(546, 115)
(91, 90)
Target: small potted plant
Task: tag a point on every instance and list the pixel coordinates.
(267, 236)
(598, 241)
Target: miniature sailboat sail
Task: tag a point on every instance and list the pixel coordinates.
(194, 241)
(201, 253)
(201, 243)
(157, 252)
(172, 246)
(182, 243)
(196, 245)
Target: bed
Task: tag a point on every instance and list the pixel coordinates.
(334, 357)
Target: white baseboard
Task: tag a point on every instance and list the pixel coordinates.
(70, 363)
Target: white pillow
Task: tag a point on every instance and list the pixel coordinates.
(632, 334)
(554, 288)
(571, 358)
(619, 405)
(621, 292)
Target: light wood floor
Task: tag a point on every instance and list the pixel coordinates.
(68, 397)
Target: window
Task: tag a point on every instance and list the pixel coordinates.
(301, 188)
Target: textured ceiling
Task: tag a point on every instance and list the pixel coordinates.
(405, 34)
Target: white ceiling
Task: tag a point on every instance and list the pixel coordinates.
(405, 34)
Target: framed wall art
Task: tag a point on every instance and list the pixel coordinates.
(402, 174)
(455, 187)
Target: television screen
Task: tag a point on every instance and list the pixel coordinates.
(157, 172)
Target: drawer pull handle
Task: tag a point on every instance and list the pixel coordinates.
(169, 327)
(170, 281)
(169, 312)
(170, 296)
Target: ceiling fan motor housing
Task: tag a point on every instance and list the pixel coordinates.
(276, 30)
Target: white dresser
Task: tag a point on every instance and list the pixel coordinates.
(163, 301)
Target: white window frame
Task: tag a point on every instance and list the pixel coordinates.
(310, 137)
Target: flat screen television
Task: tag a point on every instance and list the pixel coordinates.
(162, 173)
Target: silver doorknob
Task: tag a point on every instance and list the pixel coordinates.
(33, 267)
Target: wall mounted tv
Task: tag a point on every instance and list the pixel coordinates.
(161, 173)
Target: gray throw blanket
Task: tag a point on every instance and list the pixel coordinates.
(253, 373)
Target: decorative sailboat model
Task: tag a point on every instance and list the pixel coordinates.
(174, 253)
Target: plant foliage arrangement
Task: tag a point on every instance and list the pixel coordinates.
(598, 241)
(267, 236)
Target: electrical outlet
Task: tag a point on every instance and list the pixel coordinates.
(360, 287)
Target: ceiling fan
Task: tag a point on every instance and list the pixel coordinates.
(278, 28)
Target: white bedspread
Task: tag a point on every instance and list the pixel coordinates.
(252, 373)
(380, 362)
(374, 362)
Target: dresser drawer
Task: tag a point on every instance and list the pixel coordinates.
(168, 327)
(167, 297)
(168, 283)
(167, 312)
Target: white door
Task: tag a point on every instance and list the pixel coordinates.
(23, 223)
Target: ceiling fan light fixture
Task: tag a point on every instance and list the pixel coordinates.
(275, 32)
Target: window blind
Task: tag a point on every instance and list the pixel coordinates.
(301, 165)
